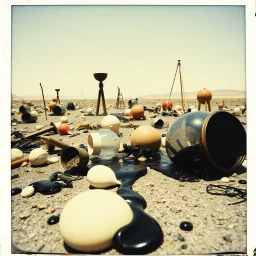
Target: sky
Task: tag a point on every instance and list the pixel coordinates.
(138, 46)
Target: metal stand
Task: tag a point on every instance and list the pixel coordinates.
(58, 99)
(119, 100)
(183, 99)
(207, 106)
(101, 95)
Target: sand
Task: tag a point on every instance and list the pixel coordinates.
(218, 226)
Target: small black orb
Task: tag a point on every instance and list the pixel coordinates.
(53, 220)
(163, 135)
(59, 153)
(16, 191)
(185, 225)
(242, 182)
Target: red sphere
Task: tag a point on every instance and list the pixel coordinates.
(54, 99)
(137, 111)
(64, 129)
(167, 105)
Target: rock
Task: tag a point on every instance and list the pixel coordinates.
(227, 238)
(184, 246)
(185, 225)
(53, 159)
(180, 238)
(28, 191)
(185, 198)
(225, 179)
(15, 191)
(24, 164)
(161, 201)
(42, 206)
(24, 215)
(53, 220)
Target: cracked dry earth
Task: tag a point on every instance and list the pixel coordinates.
(218, 224)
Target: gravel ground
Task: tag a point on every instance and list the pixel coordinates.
(218, 226)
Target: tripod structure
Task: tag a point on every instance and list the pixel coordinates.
(119, 100)
(58, 99)
(101, 77)
(183, 99)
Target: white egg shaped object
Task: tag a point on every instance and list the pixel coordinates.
(178, 107)
(110, 122)
(127, 111)
(237, 111)
(89, 111)
(64, 119)
(28, 191)
(101, 176)
(90, 220)
(38, 157)
(16, 154)
(53, 159)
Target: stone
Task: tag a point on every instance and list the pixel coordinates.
(185, 225)
(42, 206)
(28, 191)
(53, 159)
(242, 182)
(53, 220)
(92, 228)
(225, 179)
(15, 191)
(227, 238)
(24, 164)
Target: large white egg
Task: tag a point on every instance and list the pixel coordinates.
(16, 154)
(90, 220)
(237, 111)
(101, 176)
(38, 157)
(89, 111)
(110, 122)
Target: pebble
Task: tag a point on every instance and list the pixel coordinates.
(42, 206)
(161, 201)
(53, 220)
(227, 238)
(185, 198)
(184, 246)
(28, 191)
(23, 216)
(225, 179)
(24, 164)
(242, 182)
(180, 238)
(185, 225)
(15, 191)
(14, 124)
(53, 160)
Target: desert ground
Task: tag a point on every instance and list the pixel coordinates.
(219, 226)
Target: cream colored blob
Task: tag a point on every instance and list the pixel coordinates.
(38, 157)
(101, 176)
(16, 154)
(90, 220)
(64, 119)
(53, 159)
(28, 191)
(110, 122)
(237, 111)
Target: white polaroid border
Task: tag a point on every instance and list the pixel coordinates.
(5, 98)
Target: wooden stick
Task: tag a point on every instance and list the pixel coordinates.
(19, 162)
(44, 102)
(53, 142)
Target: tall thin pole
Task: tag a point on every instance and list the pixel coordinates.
(44, 101)
(182, 87)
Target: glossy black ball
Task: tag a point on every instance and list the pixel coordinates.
(15, 191)
(185, 225)
(53, 220)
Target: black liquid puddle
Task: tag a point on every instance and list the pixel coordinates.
(46, 187)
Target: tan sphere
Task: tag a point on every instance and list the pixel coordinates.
(52, 105)
(137, 111)
(29, 102)
(204, 95)
(146, 136)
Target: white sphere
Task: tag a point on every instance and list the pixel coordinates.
(16, 154)
(89, 111)
(64, 119)
(237, 111)
(38, 157)
(127, 111)
(178, 107)
(90, 220)
(110, 122)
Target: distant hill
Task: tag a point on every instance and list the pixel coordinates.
(192, 95)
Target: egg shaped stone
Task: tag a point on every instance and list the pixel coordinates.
(110, 122)
(146, 136)
(28, 191)
(52, 105)
(90, 220)
(38, 157)
(64, 119)
(89, 111)
(137, 111)
(101, 176)
(237, 111)
(16, 154)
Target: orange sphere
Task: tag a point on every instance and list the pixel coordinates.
(29, 102)
(54, 99)
(64, 129)
(146, 136)
(221, 105)
(137, 111)
(167, 105)
(204, 95)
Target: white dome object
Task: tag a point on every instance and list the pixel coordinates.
(16, 154)
(90, 220)
(127, 111)
(178, 107)
(64, 119)
(237, 111)
(28, 191)
(110, 122)
(101, 176)
(38, 157)
(53, 159)
(89, 111)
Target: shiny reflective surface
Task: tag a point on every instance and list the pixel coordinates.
(46, 187)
